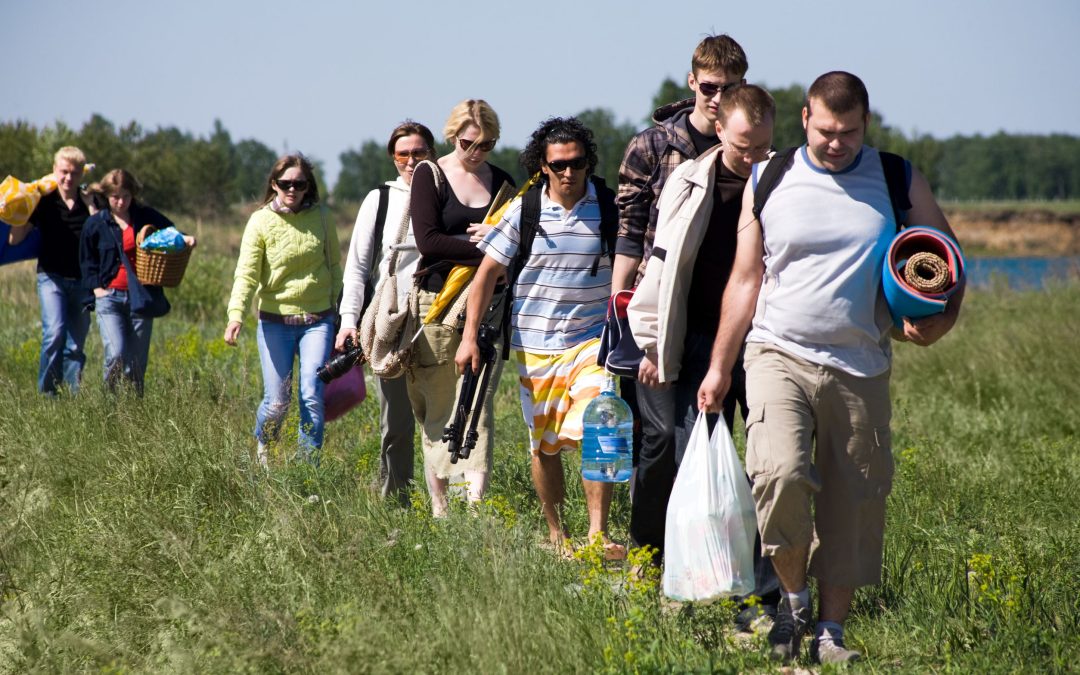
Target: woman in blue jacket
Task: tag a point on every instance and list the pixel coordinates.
(108, 235)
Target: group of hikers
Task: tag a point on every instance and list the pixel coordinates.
(770, 302)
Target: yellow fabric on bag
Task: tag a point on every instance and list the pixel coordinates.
(461, 275)
(18, 199)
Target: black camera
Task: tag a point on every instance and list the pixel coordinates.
(341, 363)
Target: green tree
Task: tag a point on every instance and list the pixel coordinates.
(611, 139)
(18, 141)
(670, 91)
(362, 170)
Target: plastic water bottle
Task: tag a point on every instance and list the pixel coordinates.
(607, 446)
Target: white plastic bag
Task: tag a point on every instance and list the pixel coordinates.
(709, 539)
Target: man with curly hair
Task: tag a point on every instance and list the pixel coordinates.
(560, 298)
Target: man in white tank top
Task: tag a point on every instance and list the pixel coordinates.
(806, 284)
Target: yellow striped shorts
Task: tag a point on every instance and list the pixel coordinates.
(555, 389)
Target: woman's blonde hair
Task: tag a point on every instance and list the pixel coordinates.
(472, 111)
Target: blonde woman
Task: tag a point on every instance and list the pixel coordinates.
(410, 143)
(290, 261)
(446, 217)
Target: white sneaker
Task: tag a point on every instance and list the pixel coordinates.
(263, 456)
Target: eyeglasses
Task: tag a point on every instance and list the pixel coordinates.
(560, 165)
(418, 155)
(287, 185)
(710, 89)
(486, 146)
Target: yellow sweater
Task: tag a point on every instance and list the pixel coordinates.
(283, 261)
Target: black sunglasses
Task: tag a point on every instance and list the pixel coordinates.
(486, 146)
(560, 165)
(287, 185)
(710, 89)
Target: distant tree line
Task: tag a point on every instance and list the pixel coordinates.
(204, 175)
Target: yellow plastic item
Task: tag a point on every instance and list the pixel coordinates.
(461, 275)
(18, 199)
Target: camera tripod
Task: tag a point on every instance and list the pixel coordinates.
(470, 403)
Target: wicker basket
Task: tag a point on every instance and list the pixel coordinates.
(158, 268)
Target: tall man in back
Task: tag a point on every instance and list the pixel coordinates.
(807, 283)
(683, 130)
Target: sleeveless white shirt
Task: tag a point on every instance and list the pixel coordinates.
(825, 236)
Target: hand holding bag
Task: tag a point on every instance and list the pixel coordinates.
(711, 525)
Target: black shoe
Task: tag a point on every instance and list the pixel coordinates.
(787, 632)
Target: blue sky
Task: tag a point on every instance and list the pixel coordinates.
(322, 77)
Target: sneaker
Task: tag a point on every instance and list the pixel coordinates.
(787, 632)
(831, 650)
(263, 456)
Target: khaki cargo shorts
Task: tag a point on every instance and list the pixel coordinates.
(820, 455)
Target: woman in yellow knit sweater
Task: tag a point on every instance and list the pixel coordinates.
(290, 261)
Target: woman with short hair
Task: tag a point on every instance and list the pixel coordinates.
(371, 245)
(290, 261)
(448, 210)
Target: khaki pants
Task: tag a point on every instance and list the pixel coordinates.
(433, 391)
(819, 435)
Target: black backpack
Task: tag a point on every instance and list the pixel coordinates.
(530, 224)
(895, 167)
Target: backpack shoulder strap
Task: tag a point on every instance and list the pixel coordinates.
(380, 214)
(898, 180)
(530, 223)
(609, 218)
(770, 177)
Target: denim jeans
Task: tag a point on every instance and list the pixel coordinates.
(279, 344)
(64, 325)
(126, 339)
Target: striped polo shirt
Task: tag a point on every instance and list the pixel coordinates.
(558, 303)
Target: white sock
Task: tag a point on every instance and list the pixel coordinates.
(799, 600)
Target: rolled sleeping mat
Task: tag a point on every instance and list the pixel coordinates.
(922, 268)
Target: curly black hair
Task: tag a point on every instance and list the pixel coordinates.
(557, 130)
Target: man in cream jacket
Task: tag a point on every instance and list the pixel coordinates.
(675, 311)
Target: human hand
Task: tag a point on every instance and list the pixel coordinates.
(189, 241)
(648, 373)
(477, 232)
(712, 391)
(100, 292)
(232, 331)
(468, 356)
(343, 334)
(927, 330)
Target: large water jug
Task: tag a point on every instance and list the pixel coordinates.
(607, 446)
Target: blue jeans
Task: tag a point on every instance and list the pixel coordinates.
(279, 344)
(126, 339)
(64, 325)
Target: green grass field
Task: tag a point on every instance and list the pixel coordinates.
(138, 537)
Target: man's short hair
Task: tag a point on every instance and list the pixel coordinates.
(756, 103)
(69, 153)
(840, 92)
(719, 53)
(557, 130)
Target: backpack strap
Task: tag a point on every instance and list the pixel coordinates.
(609, 221)
(771, 177)
(897, 172)
(898, 179)
(376, 248)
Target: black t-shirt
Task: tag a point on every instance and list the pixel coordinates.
(701, 141)
(60, 229)
(717, 253)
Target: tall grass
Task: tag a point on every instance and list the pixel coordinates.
(139, 536)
